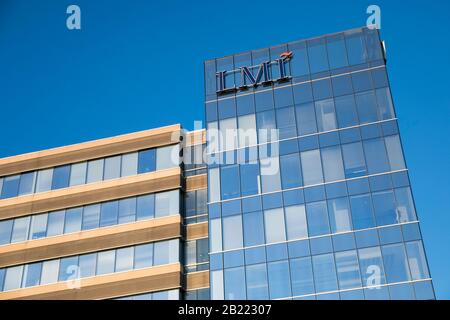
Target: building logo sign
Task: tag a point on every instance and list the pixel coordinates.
(261, 75)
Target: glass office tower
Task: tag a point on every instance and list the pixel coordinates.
(309, 195)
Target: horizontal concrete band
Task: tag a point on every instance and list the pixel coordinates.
(90, 241)
(105, 287)
(197, 280)
(91, 193)
(196, 137)
(196, 182)
(196, 231)
(90, 150)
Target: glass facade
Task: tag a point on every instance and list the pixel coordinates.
(308, 190)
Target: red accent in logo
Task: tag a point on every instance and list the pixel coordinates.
(286, 55)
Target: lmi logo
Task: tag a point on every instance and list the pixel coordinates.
(262, 76)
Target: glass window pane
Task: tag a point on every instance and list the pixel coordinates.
(385, 106)
(112, 168)
(108, 214)
(362, 212)
(230, 183)
(167, 157)
(396, 263)
(61, 176)
(286, 123)
(56, 223)
(417, 260)
(348, 270)
(145, 207)
(232, 232)
(5, 231)
(299, 65)
(394, 152)
(270, 174)
(129, 164)
(10, 187)
(306, 119)
(143, 256)
(88, 264)
(405, 205)
(78, 174)
(127, 210)
(124, 259)
(266, 124)
(106, 262)
(337, 53)
(214, 185)
(354, 163)
(274, 225)
(311, 167)
(91, 217)
(166, 252)
(50, 270)
(376, 156)
(296, 222)
(279, 280)
(217, 285)
(317, 216)
(32, 274)
(20, 229)
(340, 218)
(333, 166)
(38, 226)
(27, 182)
(291, 174)
(302, 276)
(324, 273)
(384, 205)
(371, 264)
(366, 106)
(249, 174)
(317, 53)
(95, 171)
(167, 203)
(228, 131)
(68, 268)
(73, 220)
(257, 286)
(13, 278)
(215, 234)
(234, 280)
(44, 180)
(356, 49)
(326, 118)
(346, 111)
(247, 130)
(147, 161)
(253, 228)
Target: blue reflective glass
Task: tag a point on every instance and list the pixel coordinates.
(321, 245)
(233, 280)
(10, 187)
(145, 207)
(61, 176)
(279, 279)
(384, 207)
(324, 273)
(306, 119)
(301, 276)
(299, 249)
(253, 228)
(109, 213)
(317, 217)
(346, 111)
(257, 286)
(367, 238)
(396, 263)
(233, 259)
(255, 255)
(147, 161)
(277, 252)
(348, 270)
(249, 179)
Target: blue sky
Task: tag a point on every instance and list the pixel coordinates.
(138, 64)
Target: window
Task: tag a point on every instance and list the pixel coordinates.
(167, 203)
(340, 218)
(376, 156)
(253, 228)
(215, 234)
(124, 259)
(362, 212)
(317, 218)
(166, 252)
(109, 213)
(279, 280)
(32, 274)
(106, 262)
(249, 174)
(311, 167)
(214, 185)
(283, 96)
(143, 256)
(396, 263)
(337, 54)
(346, 111)
(286, 122)
(145, 207)
(61, 177)
(167, 157)
(417, 261)
(356, 49)
(129, 164)
(394, 152)
(38, 226)
(354, 163)
(270, 174)
(324, 273)
(371, 265)
(127, 210)
(73, 220)
(257, 286)
(266, 123)
(50, 270)
(56, 223)
(296, 222)
(366, 106)
(326, 118)
(232, 232)
(10, 187)
(385, 107)
(384, 205)
(306, 119)
(317, 53)
(78, 174)
(299, 66)
(230, 183)
(274, 225)
(405, 205)
(291, 174)
(88, 264)
(147, 161)
(27, 181)
(91, 217)
(68, 268)
(228, 132)
(302, 276)
(333, 167)
(112, 168)
(13, 278)
(234, 280)
(348, 270)
(95, 171)
(20, 229)
(5, 231)
(247, 131)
